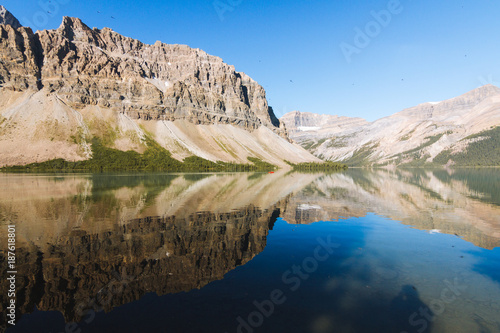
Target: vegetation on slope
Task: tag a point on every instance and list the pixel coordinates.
(311, 145)
(155, 158)
(484, 152)
(314, 166)
(261, 165)
(361, 156)
(430, 141)
(416, 157)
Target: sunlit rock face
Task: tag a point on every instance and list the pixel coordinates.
(60, 88)
(7, 18)
(84, 66)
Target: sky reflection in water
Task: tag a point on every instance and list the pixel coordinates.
(409, 251)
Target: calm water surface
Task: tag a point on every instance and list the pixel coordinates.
(359, 251)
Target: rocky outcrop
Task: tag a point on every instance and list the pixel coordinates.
(84, 66)
(414, 136)
(7, 18)
(59, 88)
(21, 58)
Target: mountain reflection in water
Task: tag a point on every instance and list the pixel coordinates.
(103, 241)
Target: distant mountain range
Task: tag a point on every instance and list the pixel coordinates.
(462, 131)
(61, 88)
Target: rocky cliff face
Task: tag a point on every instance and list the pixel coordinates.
(84, 66)
(7, 18)
(59, 88)
(414, 136)
(21, 57)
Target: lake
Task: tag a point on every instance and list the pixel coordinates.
(357, 251)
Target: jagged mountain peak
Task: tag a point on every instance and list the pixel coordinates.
(98, 80)
(6, 17)
(74, 23)
(159, 81)
(74, 29)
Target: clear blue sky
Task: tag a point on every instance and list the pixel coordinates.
(429, 51)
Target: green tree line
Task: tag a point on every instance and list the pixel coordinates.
(154, 158)
(485, 152)
(315, 166)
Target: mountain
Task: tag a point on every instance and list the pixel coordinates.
(60, 88)
(7, 18)
(458, 131)
(311, 129)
